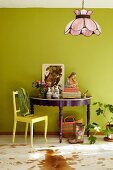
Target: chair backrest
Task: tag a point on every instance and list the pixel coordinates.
(21, 102)
(16, 110)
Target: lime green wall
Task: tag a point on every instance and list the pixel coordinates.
(32, 37)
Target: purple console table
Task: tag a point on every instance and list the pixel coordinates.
(61, 103)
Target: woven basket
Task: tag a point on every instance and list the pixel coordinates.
(67, 126)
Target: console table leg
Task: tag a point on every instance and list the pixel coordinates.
(60, 123)
(88, 117)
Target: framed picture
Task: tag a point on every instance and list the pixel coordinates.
(53, 74)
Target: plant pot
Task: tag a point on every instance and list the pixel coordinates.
(109, 135)
(108, 139)
(41, 94)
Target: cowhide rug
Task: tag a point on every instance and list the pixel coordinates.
(57, 157)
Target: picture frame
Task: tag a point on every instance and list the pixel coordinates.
(53, 74)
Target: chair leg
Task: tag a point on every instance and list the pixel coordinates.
(14, 131)
(46, 126)
(31, 134)
(26, 130)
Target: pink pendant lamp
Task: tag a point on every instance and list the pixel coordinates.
(83, 24)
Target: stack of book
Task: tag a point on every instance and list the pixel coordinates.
(71, 92)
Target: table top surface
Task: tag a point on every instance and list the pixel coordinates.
(61, 99)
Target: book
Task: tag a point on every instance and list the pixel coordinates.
(69, 89)
(71, 94)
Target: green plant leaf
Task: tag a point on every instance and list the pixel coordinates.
(99, 111)
(90, 126)
(111, 108)
(95, 124)
(107, 131)
(92, 139)
(94, 103)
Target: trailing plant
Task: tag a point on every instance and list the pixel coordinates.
(104, 110)
(96, 128)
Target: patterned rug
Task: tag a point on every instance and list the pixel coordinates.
(57, 157)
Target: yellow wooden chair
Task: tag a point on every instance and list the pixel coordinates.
(29, 119)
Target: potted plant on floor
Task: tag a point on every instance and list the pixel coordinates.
(106, 110)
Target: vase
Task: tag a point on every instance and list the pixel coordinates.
(49, 93)
(41, 94)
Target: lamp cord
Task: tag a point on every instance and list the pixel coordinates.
(82, 4)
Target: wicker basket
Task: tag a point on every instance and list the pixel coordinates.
(67, 126)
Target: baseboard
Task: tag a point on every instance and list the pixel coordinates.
(35, 133)
(98, 133)
(41, 133)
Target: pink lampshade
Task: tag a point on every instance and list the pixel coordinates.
(83, 24)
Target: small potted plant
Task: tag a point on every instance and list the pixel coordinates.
(107, 111)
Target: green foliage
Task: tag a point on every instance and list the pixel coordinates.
(92, 139)
(107, 131)
(103, 109)
(110, 107)
(99, 111)
(96, 128)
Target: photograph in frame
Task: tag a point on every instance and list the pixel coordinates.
(53, 74)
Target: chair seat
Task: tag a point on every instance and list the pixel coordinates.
(31, 118)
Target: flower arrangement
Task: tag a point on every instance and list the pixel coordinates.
(41, 86)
